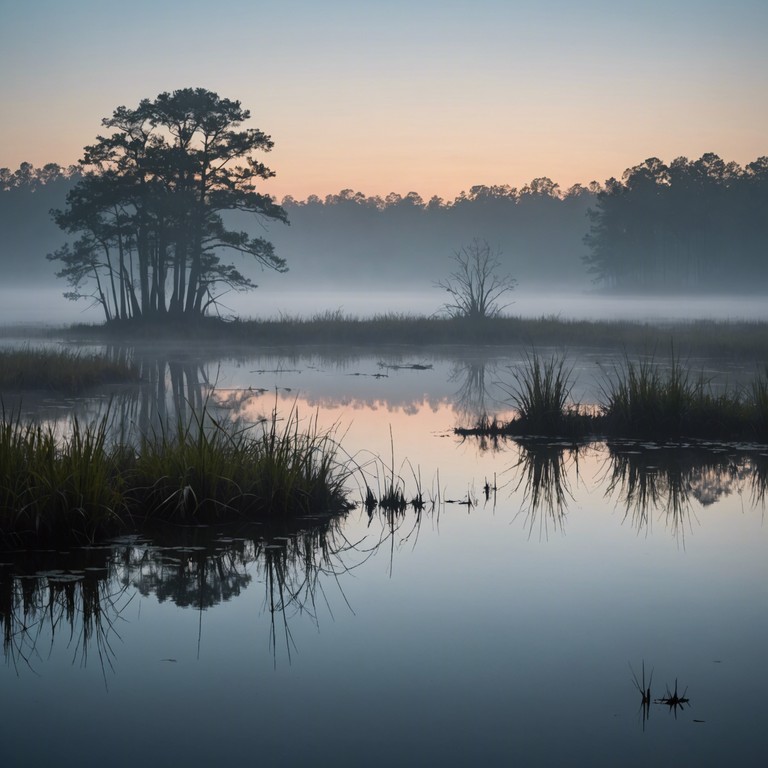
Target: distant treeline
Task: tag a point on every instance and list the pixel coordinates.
(348, 239)
(397, 239)
(699, 224)
(27, 231)
(689, 225)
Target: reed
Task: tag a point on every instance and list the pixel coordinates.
(51, 486)
(643, 400)
(83, 486)
(646, 399)
(541, 393)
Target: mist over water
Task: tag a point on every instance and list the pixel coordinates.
(47, 306)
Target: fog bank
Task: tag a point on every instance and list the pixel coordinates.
(47, 306)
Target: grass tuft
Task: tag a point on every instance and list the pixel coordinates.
(541, 395)
(81, 486)
(641, 399)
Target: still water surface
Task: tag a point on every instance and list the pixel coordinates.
(490, 628)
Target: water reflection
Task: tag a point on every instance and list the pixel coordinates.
(543, 472)
(646, 480)
(45, 598)
(176, 381)
(173, 390)
(80, 595)
(475, 391)
(643, 687)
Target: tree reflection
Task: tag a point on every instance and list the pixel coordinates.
(474, 391)
(173, 389)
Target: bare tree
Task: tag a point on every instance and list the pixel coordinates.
(476, 286)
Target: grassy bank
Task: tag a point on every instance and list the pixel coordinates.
(82, 487)
(641, 399)
(60, 370)
(724, 339)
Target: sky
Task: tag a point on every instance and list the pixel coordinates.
(431, 96)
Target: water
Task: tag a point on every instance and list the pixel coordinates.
(489, 628)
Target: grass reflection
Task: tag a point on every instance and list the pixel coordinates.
(646, 479)
(43, 604)
(668, 478)
(644, 689)
(646, 483)
(78, 597)
(543, 478)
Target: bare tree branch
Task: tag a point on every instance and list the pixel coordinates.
(476, 287)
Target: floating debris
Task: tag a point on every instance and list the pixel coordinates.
(406, 367)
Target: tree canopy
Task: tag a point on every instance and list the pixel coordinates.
(700, 224)
(149, 211)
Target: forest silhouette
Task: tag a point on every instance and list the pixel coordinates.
(686, 226)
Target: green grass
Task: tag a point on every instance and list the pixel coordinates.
(81, 486)
(643, 399)
(62, 370)
(49, 486)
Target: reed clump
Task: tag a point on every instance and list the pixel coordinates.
(643, 399)
(82, 486)
(62, 370)
(541, 395)
(646, 399)
(212, 469)
(50, 486)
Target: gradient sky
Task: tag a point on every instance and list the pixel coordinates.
(426, 95)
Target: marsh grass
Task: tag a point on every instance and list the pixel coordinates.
(759, 401)
(642, 400)
(391, 496)
(211, 469)
(62, 370)
(541, 395)
(718, 338)
(646, 399)
(82, 486)
(49, 485)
